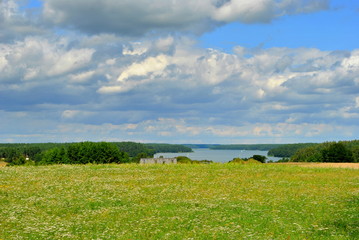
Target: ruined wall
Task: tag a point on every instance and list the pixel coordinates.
(158, 161)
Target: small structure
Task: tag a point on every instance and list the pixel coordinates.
(158, 161)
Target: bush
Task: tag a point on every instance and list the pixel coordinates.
(237, 160)
(183, 159)
(20, 160)
(245, 161)
(260, 158)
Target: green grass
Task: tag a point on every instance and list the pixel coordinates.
(216, 201)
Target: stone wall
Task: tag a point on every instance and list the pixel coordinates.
(158, 161)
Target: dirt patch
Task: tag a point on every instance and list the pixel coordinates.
(2, 164)
(326, 165)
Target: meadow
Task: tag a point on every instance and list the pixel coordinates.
(214, 201)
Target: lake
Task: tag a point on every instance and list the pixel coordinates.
(222, 156)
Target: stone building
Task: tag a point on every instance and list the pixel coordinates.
(158, 161)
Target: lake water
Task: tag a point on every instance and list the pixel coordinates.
(222, 156)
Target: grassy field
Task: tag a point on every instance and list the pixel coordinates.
(216, 201)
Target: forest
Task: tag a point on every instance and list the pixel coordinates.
(288, 150)
(83, 152)
(342, 151)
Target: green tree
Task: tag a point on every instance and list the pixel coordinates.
(309, 154)
(53, 156)
(31, 151)
(337, 152)
(139, 156)
(355, 153)
(13, 156)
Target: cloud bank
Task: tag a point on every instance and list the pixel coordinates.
(91, 79)
(143, 16)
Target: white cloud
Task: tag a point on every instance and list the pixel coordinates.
(352, 63)
(35, 58)
(247, 11)
(147, 70)
(83, 76)
(164, 86)
(150, 65)
(71, 60)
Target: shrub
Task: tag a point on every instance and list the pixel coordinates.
(245, 161)
(260, 158)
(183, 159)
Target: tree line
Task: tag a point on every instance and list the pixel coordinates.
(342, 151)
(288, 150)
(124, 152)
(75, 153)
(82, 153)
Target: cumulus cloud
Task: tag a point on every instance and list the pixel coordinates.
(36, 58)
(279, 82)
(71, 60)
(140, 17)
(164, 87)
(150, 65)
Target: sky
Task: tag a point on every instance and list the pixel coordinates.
(209, 71)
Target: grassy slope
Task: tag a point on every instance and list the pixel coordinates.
(217, 201)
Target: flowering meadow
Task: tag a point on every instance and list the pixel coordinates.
(202, 201)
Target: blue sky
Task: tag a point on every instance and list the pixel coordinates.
(333, 29)
(210, 71)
